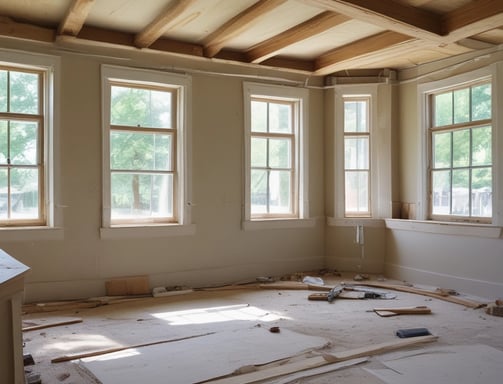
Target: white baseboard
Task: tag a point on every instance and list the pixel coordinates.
(488, 290)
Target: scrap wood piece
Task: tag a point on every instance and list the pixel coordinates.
(51, 324)
(323, 296)
(324, 359)
(387, 312)
(403, 288)
(125, 286)
(117, 349)
(285, 285)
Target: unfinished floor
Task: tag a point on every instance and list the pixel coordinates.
(226, 320)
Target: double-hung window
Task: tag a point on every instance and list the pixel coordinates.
(145, 148)
(357, 156)
(461, 165)
(27, 190)
(275, 152)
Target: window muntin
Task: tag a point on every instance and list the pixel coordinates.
(461, 153)
(143, 142)
(356, 156)
(22, 167)
(272, 158)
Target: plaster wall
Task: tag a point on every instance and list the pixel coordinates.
(220, 251)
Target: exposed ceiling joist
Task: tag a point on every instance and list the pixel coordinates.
(318, 24)
(325, 63)
(75, 17)
(217, 40)
(388, 14)
(161, 24)
(10, 28)
(475, 17)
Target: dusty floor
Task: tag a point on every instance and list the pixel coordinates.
(347, 324)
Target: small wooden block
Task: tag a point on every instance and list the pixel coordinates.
(135, 285)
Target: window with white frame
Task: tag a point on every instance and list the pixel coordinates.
(461, 161)
(26, 142)
(357, 156)
(275, 152)
(145, 147)
(362, 152)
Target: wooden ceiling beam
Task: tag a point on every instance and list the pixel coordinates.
(161, 24)
(330, 61)
(237, 25)
(75, 17)
(314, 26)
(472, 19)
(11, 28)
(388, 14)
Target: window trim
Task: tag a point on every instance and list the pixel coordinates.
(380, 151)
(51, 228)
(495, 72)
(111, 74)
(301, 98)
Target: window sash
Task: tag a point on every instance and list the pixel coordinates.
(357, 156)
(453, 171)
(165, 195)
(278, 198)
(38, 166)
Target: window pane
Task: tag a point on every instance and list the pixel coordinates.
(138, 107)
(4, 194)
(23, 92)
(141, 151)
(258, 191)
(279, 192)
(356, 153)
(140, 196)
(462, 105)
(443, 109)
(258, 116)
(4, 154)
(481, 102)
(481, 146)
(482, 192)
(24, 193)
(279, 153)
(3, 91)
(460, 192)
(355, 116)
(441, 192)
(441, 150)
(280, 118)
(461, 148)
(23, 143)
(357, 192)
(258, 152)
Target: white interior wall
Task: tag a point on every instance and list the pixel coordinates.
(78, 264)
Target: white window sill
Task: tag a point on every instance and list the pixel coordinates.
(354, 221)
(31, 233)
(256, 225)
(122, 232)
(444, 228)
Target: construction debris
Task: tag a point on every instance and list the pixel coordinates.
(496, 308)
(388, 312)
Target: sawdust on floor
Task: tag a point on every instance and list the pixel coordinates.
(346, 323)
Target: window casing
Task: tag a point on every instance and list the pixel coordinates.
(145, 148)
(275, 152)
(25, 138)
(460, 153)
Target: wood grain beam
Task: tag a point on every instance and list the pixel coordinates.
(329, 62)
(473, 18)
(161, 24)
(388, 14)
(75, 17)
(11, 28)
(309, 28)
(237, 25)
